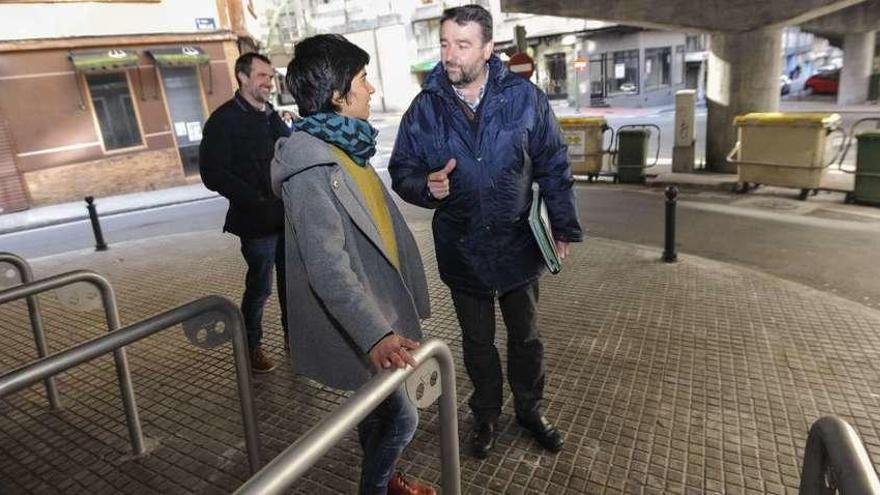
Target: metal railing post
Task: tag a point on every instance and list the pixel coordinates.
(834, 446)
(282, 471)
(111, 311)
(91, 349)
(34, 313)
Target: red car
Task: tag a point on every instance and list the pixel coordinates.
(825, 83)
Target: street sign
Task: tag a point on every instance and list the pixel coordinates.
(521, 65)
(580, 64)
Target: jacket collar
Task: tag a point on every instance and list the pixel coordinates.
(247, 107)
(499, 78)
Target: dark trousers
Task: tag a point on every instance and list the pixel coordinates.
(525, 351)
(261, 254)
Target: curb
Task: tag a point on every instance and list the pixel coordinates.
(85, 216)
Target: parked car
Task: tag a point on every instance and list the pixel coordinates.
(784, 84)
(825, 83)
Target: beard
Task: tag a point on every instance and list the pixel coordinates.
(261, 94)
(466, 74)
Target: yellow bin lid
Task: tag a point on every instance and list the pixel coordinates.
(788, 119)
(584, 121)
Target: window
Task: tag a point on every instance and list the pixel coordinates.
(625, 72)
(114, 109)
(556, 85)
(695, 42)
(658, 62)
(427, 33)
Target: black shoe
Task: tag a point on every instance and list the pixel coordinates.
(545, 433)
(482, 439)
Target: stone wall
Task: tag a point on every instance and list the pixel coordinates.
(114, 175)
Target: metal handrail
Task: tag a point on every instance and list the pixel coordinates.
(834, 448)
(848, 139)
(111, 311)
(26, 274)
(293, 462)
(228, 313)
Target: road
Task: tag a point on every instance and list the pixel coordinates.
(820, 243)
(144, 224)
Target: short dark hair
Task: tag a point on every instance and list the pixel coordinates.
(470, 13)
(321, 65)
(243, 63)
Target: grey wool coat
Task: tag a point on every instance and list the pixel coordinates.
(343, 292)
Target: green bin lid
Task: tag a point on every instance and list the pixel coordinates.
(634, 131)
(868, 136)
(788, 119)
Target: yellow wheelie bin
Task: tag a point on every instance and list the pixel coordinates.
(783, 149)
(585, 137)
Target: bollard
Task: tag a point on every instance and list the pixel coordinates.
(669, 254)
(100, 245)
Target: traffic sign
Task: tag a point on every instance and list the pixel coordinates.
(580, 63)
(521, 65)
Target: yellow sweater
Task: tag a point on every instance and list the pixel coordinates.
(374, 194)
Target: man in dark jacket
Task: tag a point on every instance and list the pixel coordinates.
(234, 158)
(470, 146)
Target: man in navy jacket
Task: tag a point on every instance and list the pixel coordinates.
(470, 146)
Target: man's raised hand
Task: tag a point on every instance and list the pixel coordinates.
(438, 182)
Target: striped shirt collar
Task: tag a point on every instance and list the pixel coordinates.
(473, 106)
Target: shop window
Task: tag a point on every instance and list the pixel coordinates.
(658, 67)
(625, 72)
(114, 109)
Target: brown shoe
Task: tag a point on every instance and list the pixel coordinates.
(400, 486)
(260, 362)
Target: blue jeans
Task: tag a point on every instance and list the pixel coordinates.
(260, 254)
(383, 435)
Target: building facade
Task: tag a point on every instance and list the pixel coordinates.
(109, 97)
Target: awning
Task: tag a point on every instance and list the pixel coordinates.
(107, 59)
(179, 56)
(423, 66)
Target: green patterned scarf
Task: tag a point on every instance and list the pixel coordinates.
(354, 136)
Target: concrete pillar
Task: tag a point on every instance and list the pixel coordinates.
(744, 70)
(858, 59)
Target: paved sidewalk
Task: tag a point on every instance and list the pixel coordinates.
(695, 377)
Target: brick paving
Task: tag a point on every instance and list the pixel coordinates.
(697, 377)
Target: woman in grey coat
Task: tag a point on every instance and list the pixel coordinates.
(356, 287)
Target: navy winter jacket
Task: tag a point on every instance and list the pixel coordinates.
(481, 233)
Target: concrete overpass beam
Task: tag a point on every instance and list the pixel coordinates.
(744, 69)
(858, 58)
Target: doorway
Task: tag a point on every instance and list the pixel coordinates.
(184, 96)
